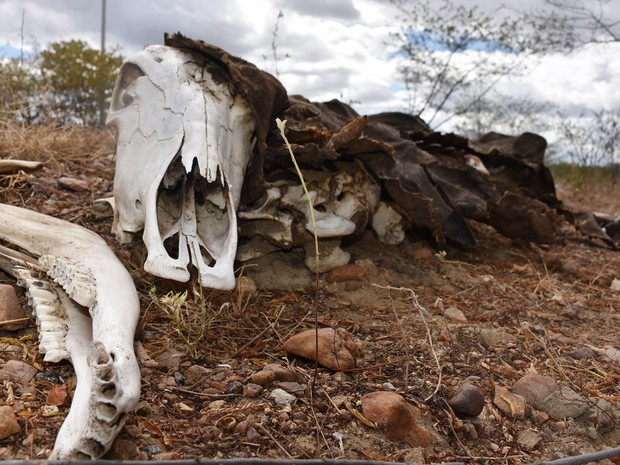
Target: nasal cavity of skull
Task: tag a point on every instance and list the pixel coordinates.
(123, 97)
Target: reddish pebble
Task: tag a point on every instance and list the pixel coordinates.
(345, 273)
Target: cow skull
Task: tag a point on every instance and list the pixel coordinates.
(184, 140)
(87, 309)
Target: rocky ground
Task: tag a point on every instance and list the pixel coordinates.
(509, 353)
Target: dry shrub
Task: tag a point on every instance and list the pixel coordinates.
(57, 147)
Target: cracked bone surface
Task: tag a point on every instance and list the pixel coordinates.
(87, 309)
(184, 141)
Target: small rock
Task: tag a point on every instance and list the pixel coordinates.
(582, 353)
(242, 427)
(8, 422)
(17, 371)
(170, 359)
(511, 405)
(528, 439)
(282, 373)
(251, 434)
(73, 184)
(494, 337)
(565, 403)
(535, 388)
(293, 387)
(454, 314)
(615, 285)
(337, 349)
(423, 252)
(613, 354)
(282, 398)
(543, 393)
(574, 311)
(263, 377)
(216, 404)
(48, 377)
(234, 387)
(562, 340)
(468, 401)
(124, 449)
(11, 310)
(350, 272)
(396, 417)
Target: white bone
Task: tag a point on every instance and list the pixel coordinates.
(99, 339)
(330, 255)
(183, 144)
(388, 224)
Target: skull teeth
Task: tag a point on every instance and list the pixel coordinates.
(48, 312)
(76, 280)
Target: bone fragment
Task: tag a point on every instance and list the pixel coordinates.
(98, 335)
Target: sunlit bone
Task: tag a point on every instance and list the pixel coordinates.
(87, 308)
(183, 145)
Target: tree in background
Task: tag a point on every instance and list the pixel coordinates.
(453, 56)
(76, 78)
(19, 83)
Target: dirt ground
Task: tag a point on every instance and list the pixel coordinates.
(199, 398)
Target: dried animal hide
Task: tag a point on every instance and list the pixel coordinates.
(87, 309)
(405, 176)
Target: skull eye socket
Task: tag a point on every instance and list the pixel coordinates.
(123, 97)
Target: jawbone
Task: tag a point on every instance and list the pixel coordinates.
(89, 308)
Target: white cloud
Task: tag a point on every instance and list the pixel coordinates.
(336, 49)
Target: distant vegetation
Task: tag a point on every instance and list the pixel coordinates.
(65, 84)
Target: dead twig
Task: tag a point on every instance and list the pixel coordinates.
(421, 311)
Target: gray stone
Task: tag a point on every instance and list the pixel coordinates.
(613, 354)
(282, 398)
(564, 403)
(495, 337)
(468, 401)
(528, 439)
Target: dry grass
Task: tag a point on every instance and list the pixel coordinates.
(58, 147)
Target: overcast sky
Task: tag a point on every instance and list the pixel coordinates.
(328, 48)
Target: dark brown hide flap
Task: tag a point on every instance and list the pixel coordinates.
(521, 217)
(424, 174)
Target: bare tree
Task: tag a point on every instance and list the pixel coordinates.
(592, 139)
(569, 24)
(454, 56)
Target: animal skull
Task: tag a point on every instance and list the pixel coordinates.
(87, 309)
(184, 140)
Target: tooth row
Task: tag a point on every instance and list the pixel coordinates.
(48, 312)
(76, 280)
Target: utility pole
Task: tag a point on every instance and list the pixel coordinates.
(103, 8)
(102, 94)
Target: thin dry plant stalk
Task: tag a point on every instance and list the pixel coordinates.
(421, 310)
